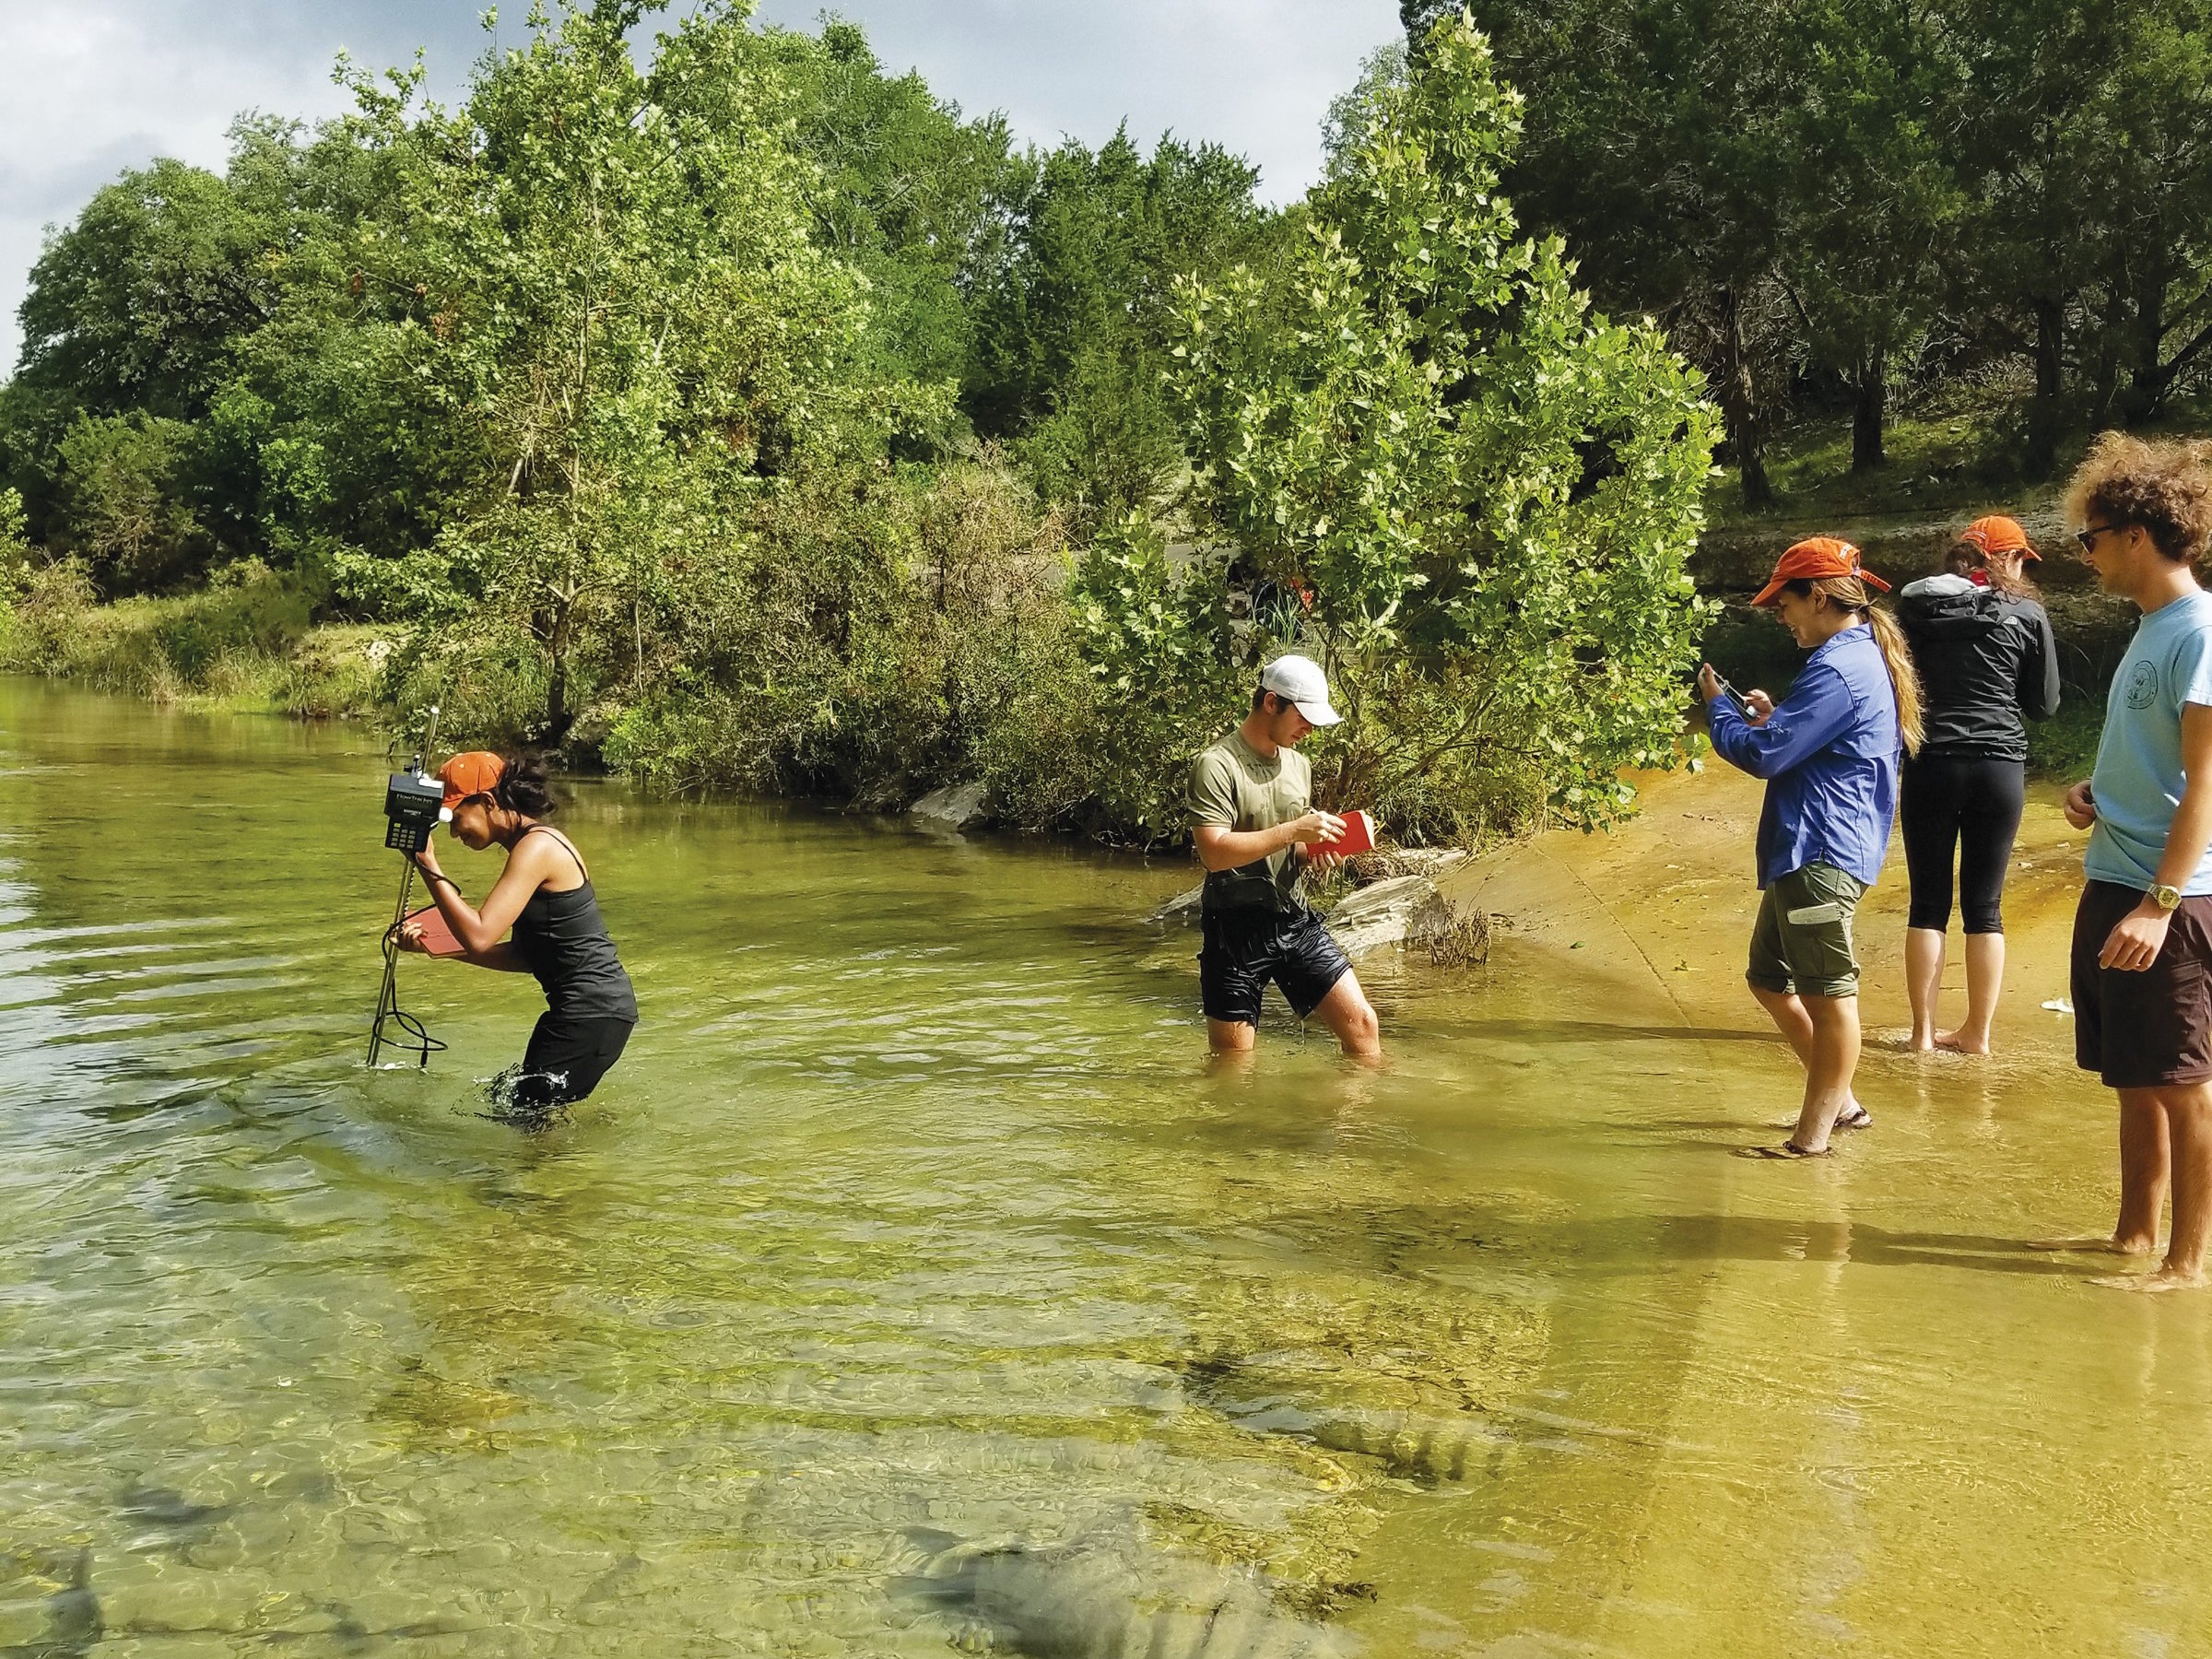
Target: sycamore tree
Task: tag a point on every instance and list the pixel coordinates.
(1482, 494)
(594, 289)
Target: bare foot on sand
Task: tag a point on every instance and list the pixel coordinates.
(2165, 1278)
(1959, 1042)
(2104, 1244)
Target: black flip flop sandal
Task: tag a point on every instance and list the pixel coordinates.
(1788, 1152)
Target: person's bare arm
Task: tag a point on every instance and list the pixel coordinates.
(500, 958)
(1222, 848)
(2137, 938)
(482, 931)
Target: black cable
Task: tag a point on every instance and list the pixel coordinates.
(389, 1012)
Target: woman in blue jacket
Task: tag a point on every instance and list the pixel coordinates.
(1829, 752)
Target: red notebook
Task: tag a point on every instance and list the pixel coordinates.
(437, 937)
(1358, 836)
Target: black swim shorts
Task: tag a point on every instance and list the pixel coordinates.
(2151, 1029)
(1242, 954)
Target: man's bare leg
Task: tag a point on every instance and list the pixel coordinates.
(2145, 1164)
(1346, 1011)
(1795, 1021)
(2186, 1112)
(1924, 982)
(1985, 979)
(1230, 1035)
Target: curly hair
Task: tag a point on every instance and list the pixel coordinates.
(522, 786)
(2163, 485)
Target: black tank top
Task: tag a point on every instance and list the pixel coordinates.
(562, 940)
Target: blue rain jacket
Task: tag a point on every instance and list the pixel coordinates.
(1828, 754)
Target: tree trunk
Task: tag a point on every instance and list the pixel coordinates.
(2147, 378)
(2107, 382)
(1867, 412)
(559, 717)
(1739, 407)
(2040, 457)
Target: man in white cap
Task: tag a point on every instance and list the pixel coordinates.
(1254, 822)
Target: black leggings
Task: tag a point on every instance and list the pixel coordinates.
(1972, 807)
(565, 1061)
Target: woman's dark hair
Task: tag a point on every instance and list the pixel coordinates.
(1965, 559)
(522, 786)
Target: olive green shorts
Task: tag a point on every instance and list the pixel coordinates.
(1801, 943)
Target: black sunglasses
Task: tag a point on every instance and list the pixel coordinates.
(2088, 535)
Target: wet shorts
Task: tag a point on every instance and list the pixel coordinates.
(565, 1061)
(1801, 943)
(1241, 955)
(2146, 1029)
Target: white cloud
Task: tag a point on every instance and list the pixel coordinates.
(93, 87)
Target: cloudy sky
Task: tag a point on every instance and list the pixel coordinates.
(92, 87)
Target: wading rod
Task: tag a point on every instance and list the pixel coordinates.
(387, 995)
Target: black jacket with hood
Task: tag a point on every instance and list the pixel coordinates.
(1987, 658)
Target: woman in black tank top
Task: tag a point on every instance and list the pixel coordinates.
(544, 896)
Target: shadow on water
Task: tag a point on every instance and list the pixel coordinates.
(1606, 1032)
(1633, 1244)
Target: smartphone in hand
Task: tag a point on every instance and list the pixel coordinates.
(1743, 706)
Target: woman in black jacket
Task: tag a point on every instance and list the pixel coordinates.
(1988, 663)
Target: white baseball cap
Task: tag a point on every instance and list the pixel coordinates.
(1299, 681)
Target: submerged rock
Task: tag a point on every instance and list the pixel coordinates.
(1390, 913)
(1180, 910)
(956, 806)
(1104, 1598)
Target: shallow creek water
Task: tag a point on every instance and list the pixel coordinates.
(911, 1285)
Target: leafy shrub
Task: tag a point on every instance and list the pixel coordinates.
(125, 507)
(865, 639)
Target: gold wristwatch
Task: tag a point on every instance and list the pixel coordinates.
(2168, 898)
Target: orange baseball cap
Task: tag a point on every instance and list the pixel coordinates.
(1997, 534)
(1814, 560)
(477, 773)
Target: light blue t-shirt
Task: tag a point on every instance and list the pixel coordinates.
(2138, 778)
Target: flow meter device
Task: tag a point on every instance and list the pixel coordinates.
(414, 808)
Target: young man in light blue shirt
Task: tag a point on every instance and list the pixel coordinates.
(2142, 957)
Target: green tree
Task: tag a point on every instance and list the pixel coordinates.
(2031, 142)
(1655, 144)
(123, 490)
(136, 305)
(1487, 493)
(1072, 333)
(592, 292)
(903, 186)
(1875, 193)
(2151, 206)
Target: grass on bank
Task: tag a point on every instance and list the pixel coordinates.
(246, 644)
(1953, 452)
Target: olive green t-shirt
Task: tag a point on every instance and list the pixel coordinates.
(1234, 785)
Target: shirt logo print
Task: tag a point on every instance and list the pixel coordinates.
(2142, 685)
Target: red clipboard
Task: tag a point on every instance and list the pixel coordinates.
(437, 937)
(1359, 836)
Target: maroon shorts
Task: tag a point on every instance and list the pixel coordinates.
(2146, 1029)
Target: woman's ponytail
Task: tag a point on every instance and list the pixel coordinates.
(1904, 678)
(1848, 592)
(522, 786)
